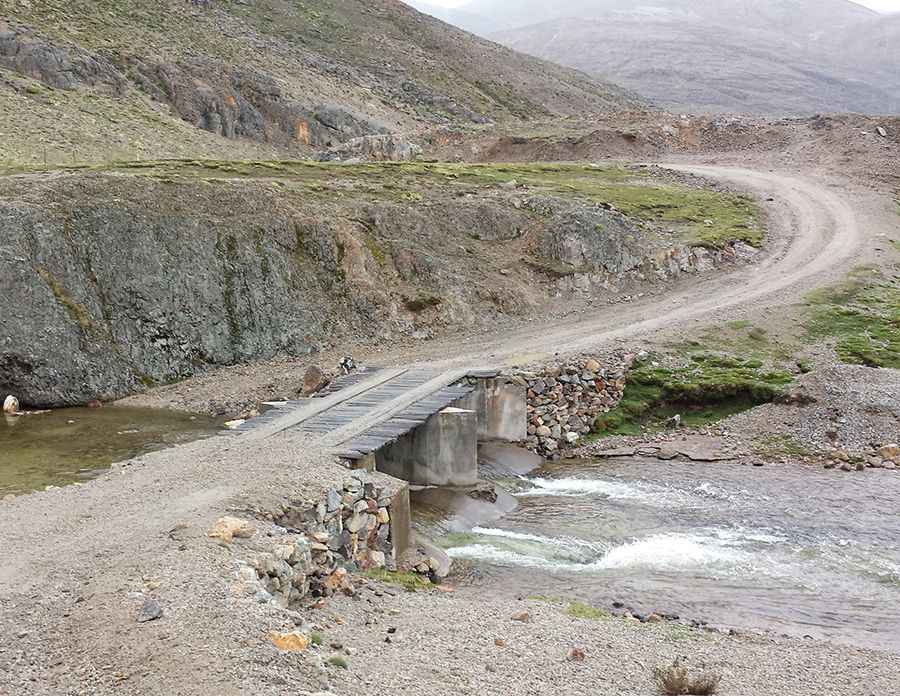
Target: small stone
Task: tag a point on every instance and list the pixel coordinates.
(889, 452)
(842, 455)
(576, 655)
(290, 642)
(150, 611)
(357, 522)
(11, 404)
(847, 466)
(499, 642)
(383, 516)
(543, 431)
(890, 465)
(830, 464)
(226, 528)
(592, 366)
(522, 616)
(654, 618)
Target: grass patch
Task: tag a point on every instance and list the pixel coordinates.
(699, 217)
(709, 387)
(781, 446)
(580, 610)
(744, 339)
(675, 680)
(411, 582)
(316, 638)
(338, 661)
(76, 311)
(862, 315)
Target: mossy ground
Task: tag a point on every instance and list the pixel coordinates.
(703, 389)
(861, 316)
(698, 217)
(411, 582)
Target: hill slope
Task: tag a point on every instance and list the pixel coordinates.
(89, 79)
(783, 57)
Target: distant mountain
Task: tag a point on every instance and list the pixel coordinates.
(470, 21)
(89, 79)
(792, 17)
(779, 57)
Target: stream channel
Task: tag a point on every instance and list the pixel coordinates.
(786, 549)
(74, 444)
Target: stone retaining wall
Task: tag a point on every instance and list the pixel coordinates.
(316, 544)
(565, 398)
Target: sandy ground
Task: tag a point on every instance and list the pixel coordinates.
(76, 563)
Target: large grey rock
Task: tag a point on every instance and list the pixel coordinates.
(593, 238)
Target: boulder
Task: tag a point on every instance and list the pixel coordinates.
(227, 528)
(11, 404)
(314, 380)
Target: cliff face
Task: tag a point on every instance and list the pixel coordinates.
(115, 280)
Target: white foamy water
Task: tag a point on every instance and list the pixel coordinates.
(669, 552)
(648, 494)
(786, 549)
(674, 552)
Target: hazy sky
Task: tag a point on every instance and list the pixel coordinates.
(883, 5)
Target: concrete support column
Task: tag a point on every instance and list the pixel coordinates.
(441, 452)
(502, 409)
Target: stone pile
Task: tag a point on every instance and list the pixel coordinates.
(884, 457)
(564, 399)
(317, 544)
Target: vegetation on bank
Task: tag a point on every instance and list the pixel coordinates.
(704, 389)
(411, 582)
(861, 316)
(696, 216)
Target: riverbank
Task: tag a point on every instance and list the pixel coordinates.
(81, 562)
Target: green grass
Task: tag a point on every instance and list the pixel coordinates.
(861, 316)
(744, 339)
(338, 661)
(76, 311)
(316, 638)
(411, 582)
(580, 610)
(774, 445)
(706, 389)
(699, 217)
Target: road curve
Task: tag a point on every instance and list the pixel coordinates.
(814, 235)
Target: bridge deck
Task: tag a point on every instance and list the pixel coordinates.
(360, 413)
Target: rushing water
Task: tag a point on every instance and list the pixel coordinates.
(788, 549)
(68, 445)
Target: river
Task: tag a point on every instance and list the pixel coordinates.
(787, 549)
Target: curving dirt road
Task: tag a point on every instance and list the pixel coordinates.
(815, 236)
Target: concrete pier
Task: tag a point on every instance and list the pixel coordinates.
(502, 409)
(442, 452)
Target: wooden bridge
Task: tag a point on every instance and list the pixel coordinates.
(367, 411)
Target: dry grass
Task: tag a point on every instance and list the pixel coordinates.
(676, 680)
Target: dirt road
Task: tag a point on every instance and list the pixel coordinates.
(815, 236)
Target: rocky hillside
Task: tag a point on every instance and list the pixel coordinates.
(785, 57)
(133, 275)
(84, 80)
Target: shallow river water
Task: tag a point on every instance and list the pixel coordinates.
(73, 444)
(792, 550)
